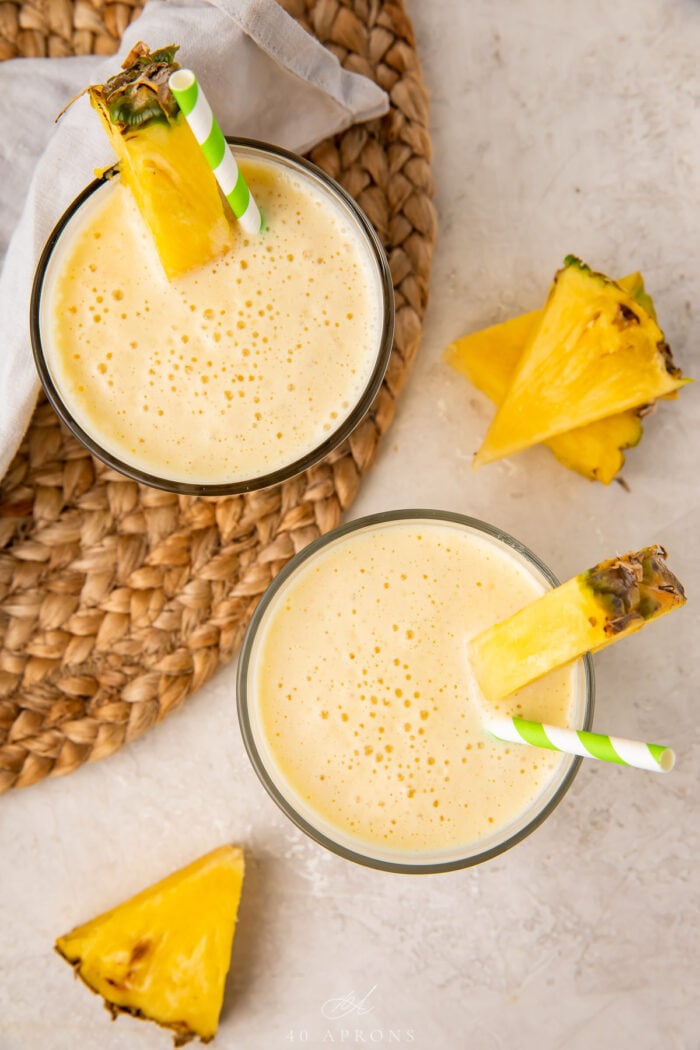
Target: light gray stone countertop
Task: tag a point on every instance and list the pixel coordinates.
(557, 128)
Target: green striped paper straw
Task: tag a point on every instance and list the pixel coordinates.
(197, 112)
(655, 757)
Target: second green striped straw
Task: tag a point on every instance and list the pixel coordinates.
(197, 112)
(655, 757)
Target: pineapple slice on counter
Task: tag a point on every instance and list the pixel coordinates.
(595, 352)
(490, 357)
(585, 614)
(598, 450)
(164, 954)
(161, 162)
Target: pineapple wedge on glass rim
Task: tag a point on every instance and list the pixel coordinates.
(161, 162)
(596, 351)
(614, 599)
(163, 955)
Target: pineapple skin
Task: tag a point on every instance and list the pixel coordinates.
(595, 343)
(489, 359)
(587, 613)
(163, 955)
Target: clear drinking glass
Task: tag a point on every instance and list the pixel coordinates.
(49, 263)
(303, 814)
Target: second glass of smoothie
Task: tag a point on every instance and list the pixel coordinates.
(357, 704)
(236, 376)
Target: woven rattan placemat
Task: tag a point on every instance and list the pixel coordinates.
(118, 600)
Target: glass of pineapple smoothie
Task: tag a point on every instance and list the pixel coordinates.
(236, 375)
(357, 705)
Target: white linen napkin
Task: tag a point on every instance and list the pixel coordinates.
(265, 78)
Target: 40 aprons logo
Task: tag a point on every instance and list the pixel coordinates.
(335, 1009)
(346, 1011)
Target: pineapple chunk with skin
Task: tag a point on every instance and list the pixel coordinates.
(598, 450)
(164, 954)
(490, 357)
(595, 352)
(583, 615)
(161, 162)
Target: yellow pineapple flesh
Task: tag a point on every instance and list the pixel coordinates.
(594, 352)
(164, 954)
(597, 450)
(161, 162)
(587, 613)
(489, 358)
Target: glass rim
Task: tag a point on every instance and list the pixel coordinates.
(258, 763)
(297, 466)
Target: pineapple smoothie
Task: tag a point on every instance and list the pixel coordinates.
(236, 373)
(358, 706)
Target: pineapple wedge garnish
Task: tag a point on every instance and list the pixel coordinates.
(595, 352)
(161, 162)
(164, 954)
(585, 614)
(489, 358)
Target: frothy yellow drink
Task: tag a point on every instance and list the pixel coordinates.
(233, 371)
(361, 701)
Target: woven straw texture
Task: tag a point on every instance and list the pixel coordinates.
(118, 600)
